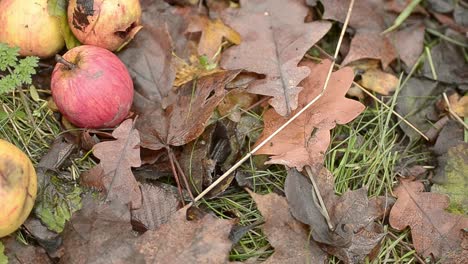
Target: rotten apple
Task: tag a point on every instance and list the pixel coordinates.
(27, 24)
(92, 87)
(18, 187)
(107, 24)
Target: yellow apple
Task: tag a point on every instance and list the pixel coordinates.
(27, 24)
(18, 187)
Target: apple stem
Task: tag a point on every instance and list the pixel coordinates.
(68, 64)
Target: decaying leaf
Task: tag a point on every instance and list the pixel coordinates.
(355, 233)
(204, 240)
(185, 119)
(273, 43)
(306, 139)
(117, 158)
(449, 64)
(213, 32)
(100, 233)
(434, 231)
(416, 103)
(18, 253)
(149, 61)
(289, 237)
(160, 202)
(368, 19)
(187, 72)
(454, 178)
(375, 79)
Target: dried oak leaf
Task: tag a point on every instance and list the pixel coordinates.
(212, 34)
(100, 233)
(273, 43)
(18, 253)
(355, 233)
(289, 237)
(368, 19)
(306, 139)
(434, 231)
(117, 158)
(205, 240)
(185, 119)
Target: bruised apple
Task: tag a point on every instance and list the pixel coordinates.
(27, 24)
(103, 23)
(92, 87)
(18, 187)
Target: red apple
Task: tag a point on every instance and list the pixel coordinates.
(27, 24)
(107, 24)
(92, 87)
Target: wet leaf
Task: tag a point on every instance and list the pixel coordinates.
(212, 34)
(160, 202)
(307, 138)
(369, 20)
(117, 158)
(455, 178)
(449, 64)
(434, 231)
(355, 233)
(185, 119)
(289, 237)
(273, 47)
(19, 253)
(204, 240)
(100, 233)
(416, 103)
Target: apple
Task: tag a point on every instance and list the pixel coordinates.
(18, 187)
(107, 24)
(92, 87)
(27, 24)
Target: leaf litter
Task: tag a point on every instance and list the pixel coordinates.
(267, 56)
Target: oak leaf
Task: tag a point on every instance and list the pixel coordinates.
(434, 231)
(289, 237)
(212, 34)
(273, 43)
(117, 158)
(306, 139)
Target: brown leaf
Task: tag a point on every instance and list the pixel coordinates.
(306, 139)
(149, 62)
(369, 20)
(185, 119)
(289, 237)
(100, 233)
(160, 202)
(213, 32)
(409, 43)
(181, 241)
(117, 158)
(434, 231)
(274, 41)
(19, 253)
(355, 235)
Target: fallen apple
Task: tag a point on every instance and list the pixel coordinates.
(107, 24)
(92, 87)
(18, 187)
(27, 24)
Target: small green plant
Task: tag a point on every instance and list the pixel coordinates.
(15, 72)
